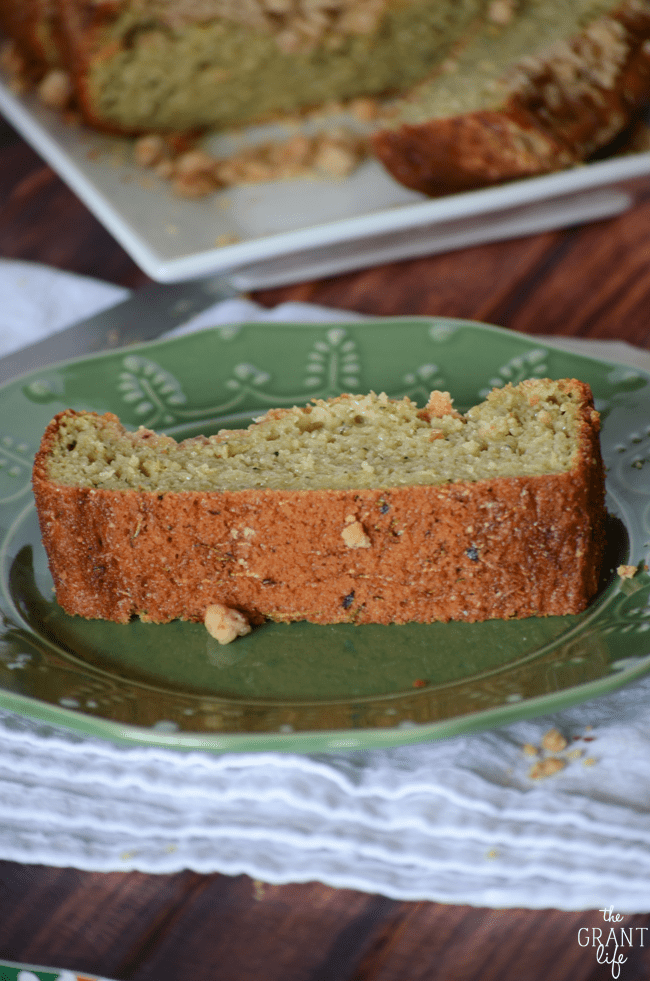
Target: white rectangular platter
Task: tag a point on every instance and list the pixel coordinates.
(281, 232)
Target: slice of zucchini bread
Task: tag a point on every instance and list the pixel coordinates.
(545, 88)
(360, 508)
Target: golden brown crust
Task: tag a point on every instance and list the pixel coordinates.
(559, 109)
(465, 152)
(507, 547)
(81, 22)
(31, 24)
(19, 19)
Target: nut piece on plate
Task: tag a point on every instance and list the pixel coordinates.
(627, 571)
(224, 624)
(55, 90)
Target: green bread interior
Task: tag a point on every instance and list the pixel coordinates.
(475, 76)
(366, 441)
(148, 73)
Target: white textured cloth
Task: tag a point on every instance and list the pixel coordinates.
(458, 821)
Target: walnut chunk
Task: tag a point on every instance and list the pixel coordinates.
(627, 571)
(501, 12)
(164, 169)
(193, 163)
(290, 154)
(150, 150)
(289, 41)
(439, 404)
(194, 174)
(195, 186)
(364, 108)
(554, 741)
(546, 768)
(354, 535)
(225, 624)
(55, 90)
(336, 156)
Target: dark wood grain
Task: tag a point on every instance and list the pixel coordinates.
(205, 927)
(591, 281)
(42, 221)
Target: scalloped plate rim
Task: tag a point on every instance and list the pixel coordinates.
(305, 740)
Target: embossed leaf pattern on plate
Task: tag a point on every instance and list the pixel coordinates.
(16, 458)
(300, 686)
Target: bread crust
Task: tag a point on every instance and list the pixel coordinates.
(463, 153)
(19, 21)
(82, 22)
(31, 24)
(499, 548)
(561, 108)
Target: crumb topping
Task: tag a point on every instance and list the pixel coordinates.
(297, 25)
(501, 12)
(195, 173)
(554, 741)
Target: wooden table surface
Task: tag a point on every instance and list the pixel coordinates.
(593, 282)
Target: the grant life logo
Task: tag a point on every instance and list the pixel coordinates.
(608, 942)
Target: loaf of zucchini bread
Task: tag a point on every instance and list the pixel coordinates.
(484, 90)
(557, 81)
(356, 509)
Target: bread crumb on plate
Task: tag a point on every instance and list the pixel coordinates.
(627, 571)
(225, 624)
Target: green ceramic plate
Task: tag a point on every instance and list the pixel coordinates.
(299, 686)
(12, 971)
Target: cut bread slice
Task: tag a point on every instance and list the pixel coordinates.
(155, 65)
(359, 508)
